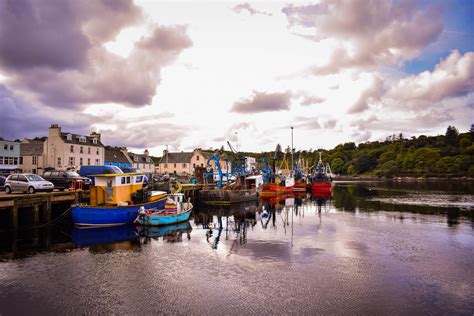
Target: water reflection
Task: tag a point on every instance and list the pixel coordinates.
(169, 233)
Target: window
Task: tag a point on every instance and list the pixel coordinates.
(55, 174)
(22, 178)
(175, 165)
(89, 150)
(69, 137)
(15, 161)
(97, 162)
(47, 174)
(11, 147)
(59, 161)
(97, 152)
(122, 180)
(135, 158)
(5, 147)
(1, 160)
(81, 150)
(72, 148)
(128, 180)
(197, 158)
(21, 160)
(194, 165)
(184, 165)
(88, 161)
(82, 139)
(80, 161)
(143, 166)
(94, 140)
(202, 165)
(35, 160)
(72, 161)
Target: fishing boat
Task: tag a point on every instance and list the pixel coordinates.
(175, 211)
(115, 199)
(321, 179)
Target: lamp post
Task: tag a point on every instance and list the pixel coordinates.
(292, 151)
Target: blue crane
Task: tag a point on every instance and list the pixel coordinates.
(217, 162)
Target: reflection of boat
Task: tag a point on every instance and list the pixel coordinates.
(175, 211)
(103, 235)
(320, 198)
(159, 231)
(115, 200)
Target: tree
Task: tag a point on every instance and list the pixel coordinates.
(278, 152)
(451, 135)
(337, 166)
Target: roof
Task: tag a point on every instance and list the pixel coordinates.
(115, 154)
(34, 148)
(181, 157)
(141, 158)
(75, 140)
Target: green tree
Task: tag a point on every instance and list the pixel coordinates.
(451, 135)
(337, 166)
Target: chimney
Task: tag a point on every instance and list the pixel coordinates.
(165, 152)
(95, 135)
(146, 152)
(54, 129)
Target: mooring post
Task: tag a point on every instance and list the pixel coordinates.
(14, 215)
(36, 214)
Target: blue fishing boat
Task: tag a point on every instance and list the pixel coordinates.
(175, 211)
(115, 199)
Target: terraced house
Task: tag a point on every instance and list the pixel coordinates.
(185, 163)
(71, 151)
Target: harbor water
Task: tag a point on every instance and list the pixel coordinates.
(368, 248)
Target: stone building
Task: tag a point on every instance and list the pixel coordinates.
(71, 151)
(117, 156)
(142, 161)
(184, 163)
(32, 156)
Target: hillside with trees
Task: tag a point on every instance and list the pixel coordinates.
(449, 155)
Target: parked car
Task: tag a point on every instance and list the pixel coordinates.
(64, 179)
(90, 171)
(27, 182)
(2, 182)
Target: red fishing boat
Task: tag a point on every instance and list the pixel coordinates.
(321, 180)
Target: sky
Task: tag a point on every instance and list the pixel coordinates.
(185, 75)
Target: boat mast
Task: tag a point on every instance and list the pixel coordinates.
(292, 165)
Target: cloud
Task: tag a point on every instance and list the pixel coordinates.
(310, 100)
(247, 7)
(368, 33)
(72, 67)
(371, 94)
(22, 119)
(452, 77)
(263, 102)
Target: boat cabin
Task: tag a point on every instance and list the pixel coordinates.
(253, 182)
(115, 189)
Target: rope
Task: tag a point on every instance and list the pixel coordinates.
(54, 221)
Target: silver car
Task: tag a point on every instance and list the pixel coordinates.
(27, 182)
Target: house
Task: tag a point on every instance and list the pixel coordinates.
(9, 157)
(64, 151)
(184, 163)
(142, 161)
(117, 156)
(32, 156)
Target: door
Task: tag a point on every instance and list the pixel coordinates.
(61, 179)
(55, 179)
(13, 182)
(22, 183)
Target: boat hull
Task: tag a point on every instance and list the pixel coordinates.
(321, 187)
(272, 189)
(103, 216)
(163, 219)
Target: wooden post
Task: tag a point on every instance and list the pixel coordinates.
(47, 210)
(14, 216)
(36, 214)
